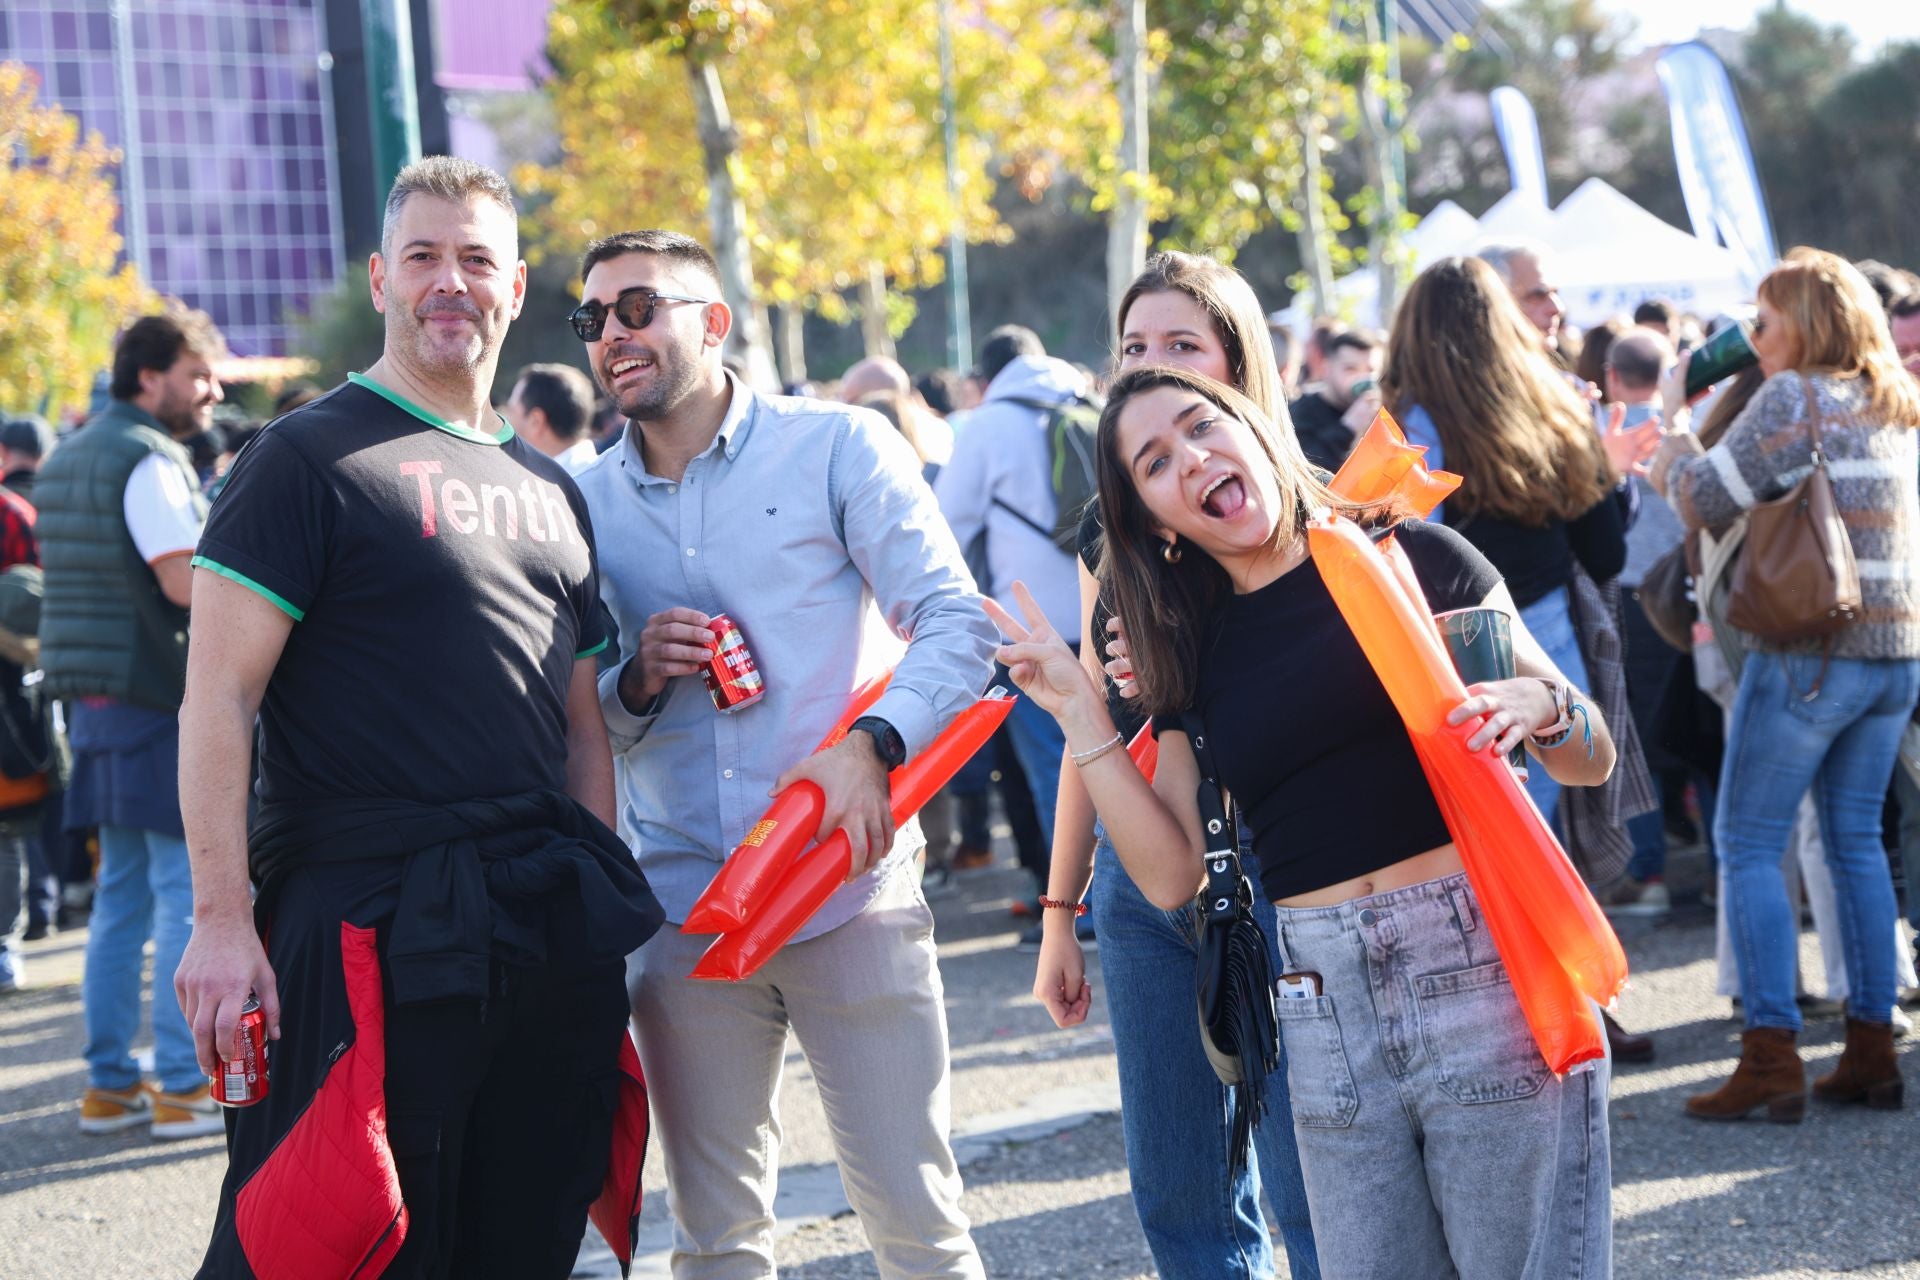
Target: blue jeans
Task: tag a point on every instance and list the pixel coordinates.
(1551, 624)
(145, 888)
(1842, 744)
(1038, 741)
(1199, 1224)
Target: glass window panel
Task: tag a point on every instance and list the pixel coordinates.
(269, 219)
(66, 32)
(172, 80)
(66, 83)
(99, 31)
(100, 85)
(30, 29)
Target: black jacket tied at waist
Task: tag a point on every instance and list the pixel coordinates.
(526, 879)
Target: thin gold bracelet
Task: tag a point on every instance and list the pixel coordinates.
(1082, 759)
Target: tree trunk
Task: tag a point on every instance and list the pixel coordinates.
(1382, 163)
(1314, 255)
(727, 215)
(1127, 224)
(873, 312)
(792, 341)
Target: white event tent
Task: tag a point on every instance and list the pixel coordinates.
(1609, 255)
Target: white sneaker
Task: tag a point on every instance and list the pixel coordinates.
(1902, 1024)
(186, 1115)
(1631, 897)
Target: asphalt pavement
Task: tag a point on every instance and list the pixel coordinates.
(1038, 1135)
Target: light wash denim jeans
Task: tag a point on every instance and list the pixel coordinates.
(1200, 1224)
(145, 889)
(1842, 744)
(1434, 1140)
(1551, 623)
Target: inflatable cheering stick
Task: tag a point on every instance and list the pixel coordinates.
(811, 880)
(1556, 943)
(1145, 750)
(1383, 465)
(784, 830)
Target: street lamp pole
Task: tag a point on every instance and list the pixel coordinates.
(960, 321)
(394, 112)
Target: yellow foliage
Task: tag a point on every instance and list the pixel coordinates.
(836, 104)
(61, 298)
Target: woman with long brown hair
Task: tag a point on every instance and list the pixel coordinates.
(1825, 714)
(1200, 1214)
(1466, 376)
(1417, 1094)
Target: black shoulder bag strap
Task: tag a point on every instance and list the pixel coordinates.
(1233, 977)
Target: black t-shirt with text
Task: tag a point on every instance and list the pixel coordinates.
(443, 582)
(1303, 732)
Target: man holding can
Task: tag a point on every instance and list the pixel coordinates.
(793, 519)
(404, 591)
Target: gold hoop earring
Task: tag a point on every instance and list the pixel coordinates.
(1170, 552)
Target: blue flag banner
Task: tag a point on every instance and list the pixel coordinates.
(1519, 131)
(1717, 176)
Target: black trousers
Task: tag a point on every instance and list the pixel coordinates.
(499, 1111)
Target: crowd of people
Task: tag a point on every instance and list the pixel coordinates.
(388, 719)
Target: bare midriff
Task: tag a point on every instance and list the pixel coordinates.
(1420, 868)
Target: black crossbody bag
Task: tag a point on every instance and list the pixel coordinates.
(1234, 979)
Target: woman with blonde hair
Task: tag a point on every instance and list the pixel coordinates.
(1467, 377)
(1201, 1217)
(1433, 1138)
(1826, 714)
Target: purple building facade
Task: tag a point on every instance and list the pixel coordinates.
(223, 114)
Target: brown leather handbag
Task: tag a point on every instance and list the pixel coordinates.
(1796, 578)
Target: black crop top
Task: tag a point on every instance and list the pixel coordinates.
(1303, 732)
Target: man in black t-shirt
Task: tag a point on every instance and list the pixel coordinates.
(406, 593)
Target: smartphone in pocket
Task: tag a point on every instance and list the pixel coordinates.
(1304, 985)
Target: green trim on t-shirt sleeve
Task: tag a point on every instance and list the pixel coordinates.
(590, 653)
(430, 418)
(285, 605)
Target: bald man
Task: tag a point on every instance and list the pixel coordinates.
(884, 373)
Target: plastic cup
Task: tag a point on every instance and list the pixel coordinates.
(1721, 356)
(1480, 642)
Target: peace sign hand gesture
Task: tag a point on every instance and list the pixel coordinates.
(1041, 664)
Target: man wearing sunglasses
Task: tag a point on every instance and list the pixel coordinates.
(404, 591)
(796, 518)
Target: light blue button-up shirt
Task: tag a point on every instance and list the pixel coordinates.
(798, 520)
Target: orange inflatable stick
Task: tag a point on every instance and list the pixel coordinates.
(1400, 642)
(1380, 458)
(811, 880)
(1145, 750)
(1558, 1014)
(783, 832)
(1384, 465)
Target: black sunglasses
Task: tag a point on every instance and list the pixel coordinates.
(634, 308)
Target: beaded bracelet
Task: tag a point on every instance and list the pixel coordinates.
(1055, 904)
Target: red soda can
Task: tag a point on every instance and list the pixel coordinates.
(243, 1080)
(732, 679)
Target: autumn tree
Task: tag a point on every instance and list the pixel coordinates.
(62, 298)
(838, 159)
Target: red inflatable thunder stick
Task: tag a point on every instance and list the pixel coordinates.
(811, 880)
(1145, 750)
(784, 830)
(1556, 943)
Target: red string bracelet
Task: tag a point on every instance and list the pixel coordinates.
(1055, 904)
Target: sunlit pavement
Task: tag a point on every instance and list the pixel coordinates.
(1040, 1141)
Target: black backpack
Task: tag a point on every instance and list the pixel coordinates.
(1072, 427)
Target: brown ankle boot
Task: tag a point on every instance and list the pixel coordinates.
(1769, 1075)
(1868, 1071)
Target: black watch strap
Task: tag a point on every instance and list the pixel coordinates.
(886, 740)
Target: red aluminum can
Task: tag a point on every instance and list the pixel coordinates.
(732, 679)
(243, 1080)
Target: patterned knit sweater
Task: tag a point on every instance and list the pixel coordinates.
(1875, 468)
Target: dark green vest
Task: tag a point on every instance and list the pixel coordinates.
(105, 628)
